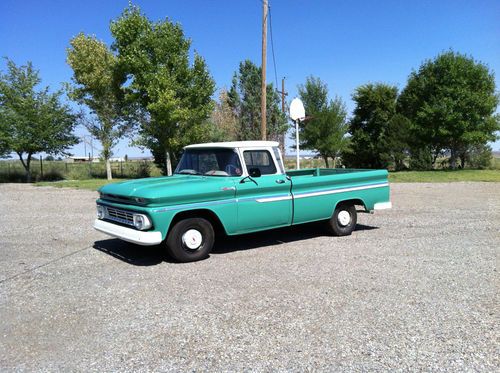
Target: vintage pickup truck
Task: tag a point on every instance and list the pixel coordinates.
(233, 188)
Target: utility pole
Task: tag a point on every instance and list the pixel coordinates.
(263, 99)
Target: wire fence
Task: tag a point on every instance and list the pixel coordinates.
(13, 170)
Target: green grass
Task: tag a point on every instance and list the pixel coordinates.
(446, 176)
(90, 184)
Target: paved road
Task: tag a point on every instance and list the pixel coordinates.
(414, 288)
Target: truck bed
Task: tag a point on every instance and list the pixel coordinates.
(316, 190)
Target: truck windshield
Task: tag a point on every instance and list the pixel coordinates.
(209, 162)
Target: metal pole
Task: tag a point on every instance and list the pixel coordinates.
(297, 142)
(41, 168)
(263, 99)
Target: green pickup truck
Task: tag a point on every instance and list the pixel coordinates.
(234, 188)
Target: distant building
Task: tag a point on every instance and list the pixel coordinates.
(74, 159)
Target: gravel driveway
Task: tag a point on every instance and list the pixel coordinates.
(414, 288)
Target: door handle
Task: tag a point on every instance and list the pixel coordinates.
(280, 181)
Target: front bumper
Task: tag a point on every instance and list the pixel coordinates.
(128, 234)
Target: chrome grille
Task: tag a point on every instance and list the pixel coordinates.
(120, 216)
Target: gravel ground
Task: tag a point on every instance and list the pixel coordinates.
(414, 288)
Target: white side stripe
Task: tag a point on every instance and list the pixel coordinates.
(334, 191)
(274, 199)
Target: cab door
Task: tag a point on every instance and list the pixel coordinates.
(263, 202)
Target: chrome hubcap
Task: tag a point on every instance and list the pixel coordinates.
(192, 239)
(344, 218)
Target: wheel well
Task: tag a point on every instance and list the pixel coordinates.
(205, 214)
(354, 201)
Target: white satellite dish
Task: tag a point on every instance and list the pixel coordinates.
(297, 111)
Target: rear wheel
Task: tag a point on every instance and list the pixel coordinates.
(343, 220)
(190, 240)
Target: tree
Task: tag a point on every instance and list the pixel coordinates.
(244, 99)
(369, 126)
(97, 80)
(451, 102)
(223, 122)
(397, 140)
(33, 121)
(326, 128)
(174, 96)
(314, 96)
(326, 131)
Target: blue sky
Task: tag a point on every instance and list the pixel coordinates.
(345, 43)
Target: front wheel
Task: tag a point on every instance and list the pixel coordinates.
(343, 220)
(190, 240)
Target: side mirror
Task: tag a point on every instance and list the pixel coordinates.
(254, 172)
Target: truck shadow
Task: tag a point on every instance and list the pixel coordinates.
(153, 255)
(131, 253)
(274, 237)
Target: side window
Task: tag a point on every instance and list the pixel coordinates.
(260, 159)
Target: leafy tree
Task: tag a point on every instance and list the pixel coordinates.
(326, 127)
(370, 126)
(451, 102)
(326, 131)
(314, 96)
(223, 122)
(32, 121)
(244, 99)
(97, 80)
(173, 95)
(397, 140)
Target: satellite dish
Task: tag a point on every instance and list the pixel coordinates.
(297, 111)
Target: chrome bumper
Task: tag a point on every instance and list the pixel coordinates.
(128, 234)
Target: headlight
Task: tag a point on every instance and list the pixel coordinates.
(101, 212)
(141, 222)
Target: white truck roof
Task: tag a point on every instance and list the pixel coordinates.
(234, 144)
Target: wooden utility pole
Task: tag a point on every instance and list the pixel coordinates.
(263, 99)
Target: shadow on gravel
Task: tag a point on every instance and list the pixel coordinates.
(153, 255)
(130, 253)
(274, 237)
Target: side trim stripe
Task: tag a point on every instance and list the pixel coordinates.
(284, 197)
(340, 190)
(195, 205)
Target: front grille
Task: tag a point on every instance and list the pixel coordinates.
(120, 216)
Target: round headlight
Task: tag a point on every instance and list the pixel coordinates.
(101, 212)
(141, 222)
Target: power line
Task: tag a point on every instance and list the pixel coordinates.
(272, 45)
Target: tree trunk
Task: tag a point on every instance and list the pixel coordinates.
(109, 174)
(26, 165)
(326, 161)
(453, 159)
(168, 163)
(334, 162)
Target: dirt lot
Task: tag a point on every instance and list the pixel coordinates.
(414, 288)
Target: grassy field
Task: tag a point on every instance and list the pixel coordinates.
(444, 176)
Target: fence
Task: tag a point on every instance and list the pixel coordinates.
(13, 170)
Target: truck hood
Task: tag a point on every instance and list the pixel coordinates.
(170, 190)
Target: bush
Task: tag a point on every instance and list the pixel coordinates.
(480, 157)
